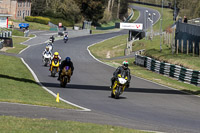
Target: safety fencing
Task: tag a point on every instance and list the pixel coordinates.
(5, 39)
(187, 39)
(5, 34)
(178, 72)
(53, 27)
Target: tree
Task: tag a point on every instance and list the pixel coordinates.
(69, 10)
(65, 9)
(92, 10)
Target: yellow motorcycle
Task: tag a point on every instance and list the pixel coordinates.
(119, 86)
(65, 76)
(54, 67)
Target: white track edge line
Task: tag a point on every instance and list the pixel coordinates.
(37, 80)
(24, 49)
(29, 39)
(110, 66)
(134, 75)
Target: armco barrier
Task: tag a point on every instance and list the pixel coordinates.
(178, 72)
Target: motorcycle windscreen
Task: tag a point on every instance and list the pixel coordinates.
(55, 61)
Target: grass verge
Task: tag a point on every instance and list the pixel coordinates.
(17, 47)
(110, 48)
(18, 85)
(153, 50)
(136, 15)
(34, 26)
(104, 48)
(25, 125)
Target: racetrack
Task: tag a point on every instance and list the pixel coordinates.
(145, 105)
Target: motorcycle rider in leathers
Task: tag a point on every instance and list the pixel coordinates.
(55, 56)
(66, 62)
(46, 51)
(120, 70)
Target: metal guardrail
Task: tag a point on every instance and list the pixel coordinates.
(178, 72)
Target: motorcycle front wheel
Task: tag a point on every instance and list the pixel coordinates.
(63, 81)
(117, 92)
(112, 95)
(53, 72)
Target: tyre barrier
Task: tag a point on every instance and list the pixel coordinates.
(178, 72)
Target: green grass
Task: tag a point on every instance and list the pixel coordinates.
(111, 23)
(17, 33)
(103, 31)
(146, 74)
(26, 125)
(17, 47)
(37, 26)
(17, 85)
(167, 17)
(34, 26)
(152, 49)
(113, 46)
(136, 15)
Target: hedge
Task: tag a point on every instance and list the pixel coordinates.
(45, 20)
(41, 20)
(64, 22)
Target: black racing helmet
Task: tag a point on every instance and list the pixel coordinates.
(125, 64)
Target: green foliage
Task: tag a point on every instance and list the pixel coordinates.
(38, 19)
(29, 18)
(189, 8)
(123, 9)
(45, 20)
(60, 20)
(42, 20)
(92, 10)
(65, 9)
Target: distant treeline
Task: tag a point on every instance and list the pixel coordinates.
(189, 8)
(97, 11)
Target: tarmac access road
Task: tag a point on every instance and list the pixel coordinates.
(145, 105)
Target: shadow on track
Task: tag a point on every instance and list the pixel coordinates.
(106, 88)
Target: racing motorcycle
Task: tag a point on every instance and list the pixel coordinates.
(54, 67)
(46, 58)
(119, 86)
(50, 46)
(65, 76)
(65, 39)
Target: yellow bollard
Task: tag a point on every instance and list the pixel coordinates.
(57, 98)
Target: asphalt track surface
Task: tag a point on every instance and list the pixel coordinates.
(145, 105)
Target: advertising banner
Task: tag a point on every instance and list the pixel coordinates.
(131, 26)
(3, 22)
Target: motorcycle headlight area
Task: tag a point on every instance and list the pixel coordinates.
(122, 80)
